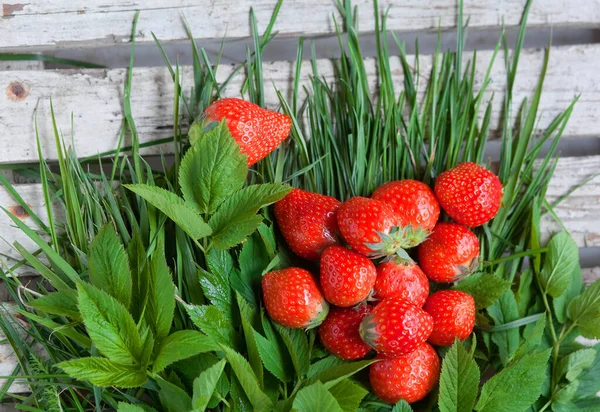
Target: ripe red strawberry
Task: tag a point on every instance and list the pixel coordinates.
(293, 299)
(453, 314)
(401, 280)
(347, 278)
(415, 205)
(308, 222)
(450, 253)
(395, 327)
(469, 193)
(371, 227)
(258, 131)
(339, 332)
(410, 377)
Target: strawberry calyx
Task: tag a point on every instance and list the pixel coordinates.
(319, 317)
(368, 332)
(462, 271)
(397, 241)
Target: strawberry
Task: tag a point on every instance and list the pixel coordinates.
(308, 222)
(293, 299)
(415, 205)
(410, 377)
(402, 280)
(371, 227)
(450, 253)
(339, 332)
(347, 278)
(469, 193)
(453, 314)
(258, 131)
(395, 327)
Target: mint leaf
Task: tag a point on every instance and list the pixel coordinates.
(560, 262)
(525, 292)
(315, 397)
(205, 384)
(180, 345)
(485, 288)
(297, 344)
(503, 311)
(109, 325)
(62, 303)
(172, 397)
(103, 372)
(247, 380)
(402, 406)
(186, 217)
(574, 289)
(335, 374)
(574, 364)
(585, 311)
(459, 380)
(348, 395)
(108, 265)
(212, 170)
(211, 321)
(160, 302)
(237, 218)
(516, 387)
(533, 340)
(215, 284)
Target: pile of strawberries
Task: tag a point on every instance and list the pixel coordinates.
(370, 293)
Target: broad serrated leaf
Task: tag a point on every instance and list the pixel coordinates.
(62, 303)
(459, 381)
(516, 387)
(325, 363)
(272, 358)
(565, 393)
(103, 372)
(186, 217)
(335, 374)
(205, 384)
(212, 170)
(172, 397)
(253, 260)
(485, 288)
(574, 364)
(215, 284)
(211, 321)
(109, 266)
(560, 303)
(560, 262)
(188, 370)
(533, 340)
(249, 316)
(525, 292)
(128, 407)
(348, 395)
(315, 397)
(402, 406)
(180, 345)
(160, 301)
(239, 400)
(236, 219)
(589, 380)
(297, 344)
(259, 400)
(109, 325)
(503, 311)
(585, 311)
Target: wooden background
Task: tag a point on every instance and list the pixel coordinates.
(99, 31)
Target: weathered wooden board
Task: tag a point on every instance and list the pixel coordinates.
(94, 97)
(64, 24)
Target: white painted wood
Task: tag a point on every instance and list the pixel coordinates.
(36, 23)
(94, 98)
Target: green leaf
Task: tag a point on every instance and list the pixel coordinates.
(247, 379)
(60, 303)
(180, 345)
(239, 400)
(459, 380)
(525, 292)
(574, 289)
(574, 364)
(560, 262)
(127, 407)
(186, 217)
(325, 363)
(335, 374)
(249, 316)
(348, 395)
(315, 397)
(109, 266)
(516, 387)
(172, 397)
(160, 302)
(297, 344)
(402, 406)
(103, 372)
(272, 357)
(205, 384)
(566, 393)
(589, 381)
(211, 321)
(109, 325)
(188, 369)
(485, 288)
(532, 341)
(236, 218)
(215, 284)
(585, 311)
(504, 311)
(253, 260)
(212, 170)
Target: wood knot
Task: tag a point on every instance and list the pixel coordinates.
(17, 91)
(19, 211)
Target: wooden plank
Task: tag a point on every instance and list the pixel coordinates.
(94, 98)
(27, 24)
